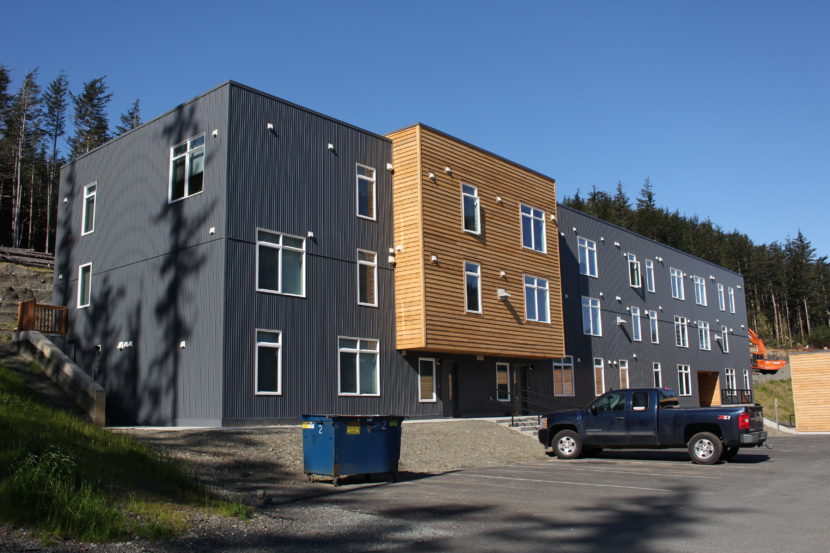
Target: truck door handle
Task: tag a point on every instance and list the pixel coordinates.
(619, 418)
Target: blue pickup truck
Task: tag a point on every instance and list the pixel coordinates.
(649, 418)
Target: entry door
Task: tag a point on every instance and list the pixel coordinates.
(607, 426)
(519, 385)
(455, 390)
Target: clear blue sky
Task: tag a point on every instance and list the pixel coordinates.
(724, 105)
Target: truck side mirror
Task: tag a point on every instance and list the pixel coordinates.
(593, 409)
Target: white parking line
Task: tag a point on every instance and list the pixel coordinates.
(589, 484)
(647, 474)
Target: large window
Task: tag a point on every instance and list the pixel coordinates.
(657, 375)
(563, 376)
(536, 299)
(365, 191)
(623, 363)
(472, 286)
(634, 278)
(426, 380)
(677, 289)
(591, 321)
(587, 257)
(747, 380)
(700, 290)
(599, 376)
(367, 278)
(731, 293)
(268, 372)
(470, 207)
(502, 381)
(187, 168)
(533, 228)
(84, 285)
(654, 331)
(358, 369)
(681, 331)
(280, 263)
(636, 332)
(724, 338)
(650, 275)
(703, 335)
(684, 380)
(721, 298)
(731, 382)
(88, 215)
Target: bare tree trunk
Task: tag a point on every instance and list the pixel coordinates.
(787, 320)
(46, 241)
(807, 316)
(31, 206)
(775, 322)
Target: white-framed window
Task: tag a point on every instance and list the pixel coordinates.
(700, 290)
(747, 380)
(533, 228)
(703, 335)
(367, 278)
(536, 299)
(731, 294)
(591, 321)
(587, 257)
(88, 215)
(654, 331)
(366, 191)
(358, 366)
(678, 290)
(623, 364)
(650, 275)
(472, 287)
(84, 285)
(721, 298)
(724, 338)
(684, 380)
(280, 263)
(187, 168)
(731, 382)
(426, 380)
(656, 373)
(634, 278)
(599, 376)
(268, 363)
(470, 209)
(503, 381)
(681, 331)
(636, 332)
(563, 376)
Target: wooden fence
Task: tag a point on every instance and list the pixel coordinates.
(48, 319)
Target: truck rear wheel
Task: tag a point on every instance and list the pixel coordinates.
(705, 448)
(730, 452)
(567, 444)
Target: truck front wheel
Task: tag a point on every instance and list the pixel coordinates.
(705, 448)
(567, 444)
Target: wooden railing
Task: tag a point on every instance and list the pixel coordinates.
(48, 319)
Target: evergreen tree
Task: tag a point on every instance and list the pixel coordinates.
(129, 120)
(91, 122)
(56, 101)
(620, 207)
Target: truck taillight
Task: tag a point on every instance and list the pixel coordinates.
(743, 421)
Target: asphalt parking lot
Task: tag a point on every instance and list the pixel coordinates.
(765, 500)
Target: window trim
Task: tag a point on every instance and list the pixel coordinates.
(509, 384)
(601, 367)
(657, 369)
(623, 364)
(590, 249)
(747, 380)
(682, 369)
(474, 195)
(724, 341)
(186, 155)
(374, 267)
(94, 196)
(650, 283)
(80, 280)
(566, 364)
(591, 310)
(478, 287)
(677, 277)
(634, 269)
(374, 181)
(721, 297)
(535, 286)
(700, 291)
(434, 380)
(357, 351)
(636, 329)
(730, 375)
(682, 340)
(704, 339)
(278, 347)
(730, 294)
(653, 327)
(279, 247)
(532, 217)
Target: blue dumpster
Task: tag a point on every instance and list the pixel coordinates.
(342, 445)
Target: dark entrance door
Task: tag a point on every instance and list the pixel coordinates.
(454, 390)
(520, 389)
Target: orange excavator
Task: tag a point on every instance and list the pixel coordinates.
(758, 351)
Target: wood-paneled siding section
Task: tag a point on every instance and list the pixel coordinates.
(431, 209)
(811, 386)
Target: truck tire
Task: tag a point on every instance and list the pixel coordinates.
(567, 444)
(730, 452)
(705, 448)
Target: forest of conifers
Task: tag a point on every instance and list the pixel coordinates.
(786, 284)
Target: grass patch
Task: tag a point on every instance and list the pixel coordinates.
(767, 392)
(71, 479)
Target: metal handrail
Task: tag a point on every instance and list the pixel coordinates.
(535, 403)
(734, 397)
